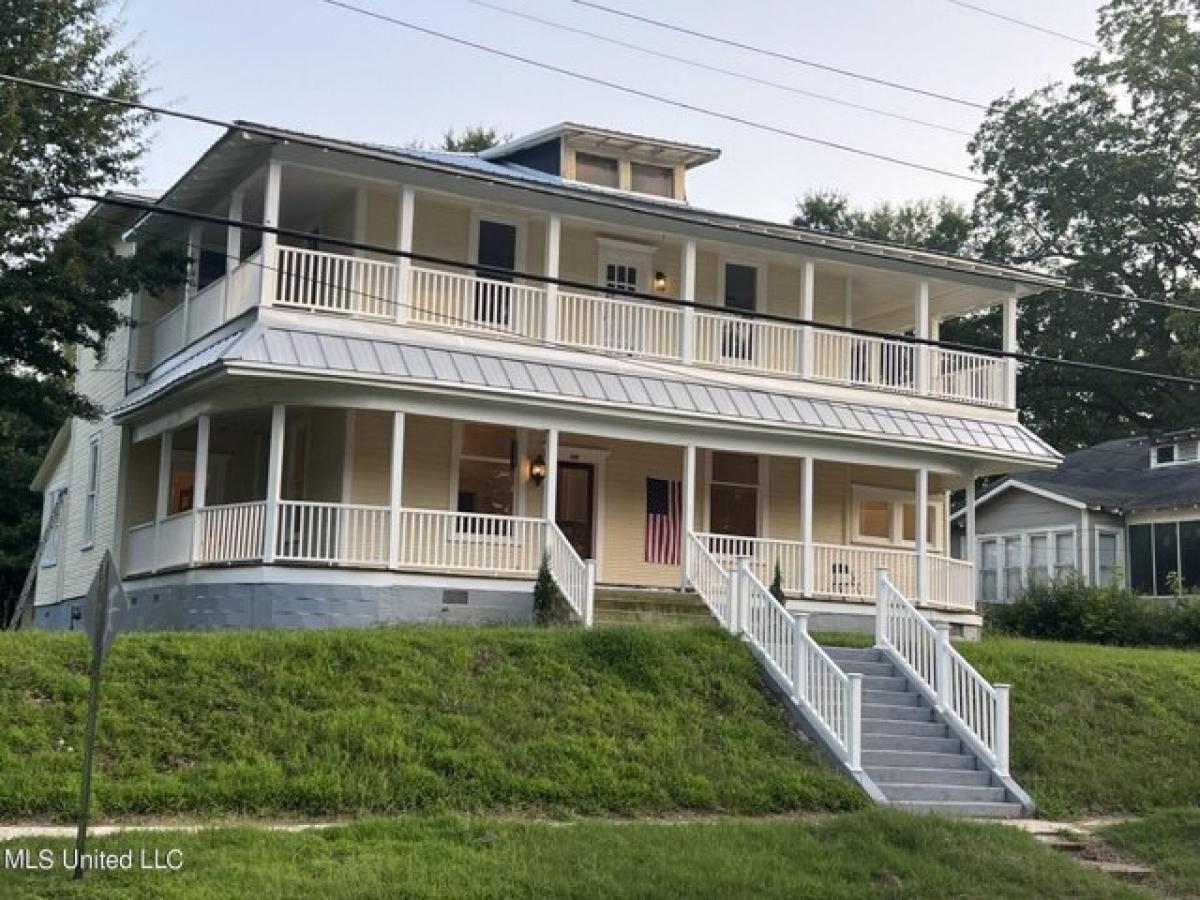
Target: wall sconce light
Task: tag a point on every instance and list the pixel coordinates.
(537, 470)
(660, 281)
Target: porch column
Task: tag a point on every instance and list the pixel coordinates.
(550, 313)
(807, 289)
(922, 529)
(970, 553)
(550, 498)
(199, 485)
(269, 239)
(1009, 345)
(808, 563)
(921, 330)
(195, 235)
(687, 293)
(163, 499)
(689, 507)
(274, 482)
(848, 303)
(396, 490)
(406, 202)
(233, 244)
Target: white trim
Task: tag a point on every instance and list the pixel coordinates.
(49, 498)
(620, 245)
(1013, 482)
(91, 491)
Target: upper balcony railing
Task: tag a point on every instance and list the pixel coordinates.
(362, 287)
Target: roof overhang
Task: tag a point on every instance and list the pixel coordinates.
(602, 140)
(54, 455)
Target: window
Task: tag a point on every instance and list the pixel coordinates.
(909, 534)
(649, 179)
(1107, 560)
(1164, 456)
(602, 170)
(1064, 554)
(740, 293)
(1012, 567)
(733, 494)
(889, 517)
(1166, 556)
(875, 520)
(485, 470)
(1172, 454)
(93, 486)
(1039, 558)
(1189, 554)
(495, 257)
(621, 278)
(989, 565)
(53, 539)
(1141, 559)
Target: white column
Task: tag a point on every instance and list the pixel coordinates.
(396, 489)
(689, 506)
(550, 497)
(405, 204)
(921, 330)
(687, 293)
(163, 498)
(807, 293)
(922, 530)
(808, 573)
(233, 244)
(970, 550)
(553, 242)
(199, 484)
(1009, 345)
(269, 239)
(274, 481)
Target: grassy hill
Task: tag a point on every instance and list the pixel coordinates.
(611, 721)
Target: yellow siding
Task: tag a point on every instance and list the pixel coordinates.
(372, 455)
(427, 462)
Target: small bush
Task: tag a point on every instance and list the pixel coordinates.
(777, 585)
(550, 607)
(1070, 610)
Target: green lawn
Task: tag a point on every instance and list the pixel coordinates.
(859, 855)
(1169, 841)
(1099, 729)
(611, 721)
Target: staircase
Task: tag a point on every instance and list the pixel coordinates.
(662, 608)
(910, 753)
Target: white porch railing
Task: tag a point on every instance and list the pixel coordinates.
(840, 570)
(332, 533)
(576, 578)
(166, 335)
(244, 285)
(967, 377)
(978, 710)
(469, 542)
(756, 345)
(139, 548)
(636, 327)
(761, 554)
(465, 302)
(952, 583)
(175, 540)
(864, 361)
(710, 577)
(231, 532)
(333, 282)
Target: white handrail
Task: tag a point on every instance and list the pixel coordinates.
(333, 282)
(467, 302)
(231, 532)
(710, 578)
(622, 325)
(442, 540)
(332, 533)
(575, 577)
(977, 709)
(763, 554)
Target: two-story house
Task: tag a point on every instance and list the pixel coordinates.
(562, 355)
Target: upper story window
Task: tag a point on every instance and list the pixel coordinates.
(1172, 454)
(602, 170)
(650, 179)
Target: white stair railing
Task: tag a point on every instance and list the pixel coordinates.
(977, 709)
(711, 580)
(575, 577)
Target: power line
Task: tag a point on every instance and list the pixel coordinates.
(732, 73)
(776, 54)
(513, 273)
(648, 95)
(390, 158)
(1022, 23)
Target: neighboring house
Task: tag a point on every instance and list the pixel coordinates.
(308, 434)
(1124, 511)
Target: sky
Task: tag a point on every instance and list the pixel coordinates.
(310, 66)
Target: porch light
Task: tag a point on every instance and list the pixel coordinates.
(660, 281)
(537, 469)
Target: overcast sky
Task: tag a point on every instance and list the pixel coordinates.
(309, 66)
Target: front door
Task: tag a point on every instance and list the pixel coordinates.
(576, 505)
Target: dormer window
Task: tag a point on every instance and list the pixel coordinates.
(1164, 456)
(1174, 454)
(602, 170)
(650, 179)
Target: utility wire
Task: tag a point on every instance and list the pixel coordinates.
(1022, 23)
(545, 279)
(776, 54)
(648, 95)
(707, 67)
(390, 158)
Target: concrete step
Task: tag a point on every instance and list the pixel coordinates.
(890, 698)
(964, 809)
(885, 683)
(892, 712)
(942, 793)
(931, 729)
(916, 759)
(910, 742)
(866, 668)
(907, 775)
(854, 654)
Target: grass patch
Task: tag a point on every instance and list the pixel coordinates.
(1099, 729)
(868, 854)
(563, 721)
(1169, 841)
(844, 638)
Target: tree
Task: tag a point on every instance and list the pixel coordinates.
(58, 279)
(943, 224)
(473, 139)
(550, 607)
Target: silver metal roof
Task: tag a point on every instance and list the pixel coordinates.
(594, 381)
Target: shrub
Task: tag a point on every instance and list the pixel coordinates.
(1067, 609)
(550, 607)
(777, 584)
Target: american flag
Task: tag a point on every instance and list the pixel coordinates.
(664, 512)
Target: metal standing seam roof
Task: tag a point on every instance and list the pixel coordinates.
(330, 353)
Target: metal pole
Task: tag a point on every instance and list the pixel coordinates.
(89, 736)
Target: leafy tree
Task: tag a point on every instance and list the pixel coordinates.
(943, 224)
(472, 139)
(58, 281)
